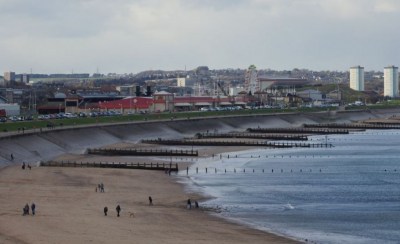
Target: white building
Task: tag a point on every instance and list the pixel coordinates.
(391, 81)
(25, 78)
(126, 90)
(11, 109)
(234, 91)
(357, 78)
(181, 82)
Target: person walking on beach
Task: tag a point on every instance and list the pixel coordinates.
(150, 201)
(189, 204)
(105, 211)
(118, 208)
(12, 157)
(101, 187)
(26, 209)
(23, 165)
(33, 207)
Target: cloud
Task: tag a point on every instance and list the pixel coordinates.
(130, 36)
(387, 6)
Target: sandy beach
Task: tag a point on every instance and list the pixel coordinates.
(69, 210)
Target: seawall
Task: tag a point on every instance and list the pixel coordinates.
(33, 147)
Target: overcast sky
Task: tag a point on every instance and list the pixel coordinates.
(129, 36)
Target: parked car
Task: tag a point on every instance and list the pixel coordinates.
(70, 115)
(16, 118)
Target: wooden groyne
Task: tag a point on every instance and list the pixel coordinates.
(118, 165)
(353, 126)
(318, 131)
(234, 143)
(142, 152)
(253, 136)
(391, 122)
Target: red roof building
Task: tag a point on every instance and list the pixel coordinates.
(131, 104)
(164, 101)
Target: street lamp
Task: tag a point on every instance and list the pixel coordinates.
(134, 102)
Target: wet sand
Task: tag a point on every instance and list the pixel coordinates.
(69, 210)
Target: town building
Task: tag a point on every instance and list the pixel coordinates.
(11, 109)
(163, 101)
(311, 94)
(181, 82)
(9, 78)
(128, 105)
(391, 81)
(357, 78)
(126, 90)
(11, 95)
(284, 85)
(234, 91)
(24, 78)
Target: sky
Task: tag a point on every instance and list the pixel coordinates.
(129, 36)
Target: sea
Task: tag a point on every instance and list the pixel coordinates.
(347, 193)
